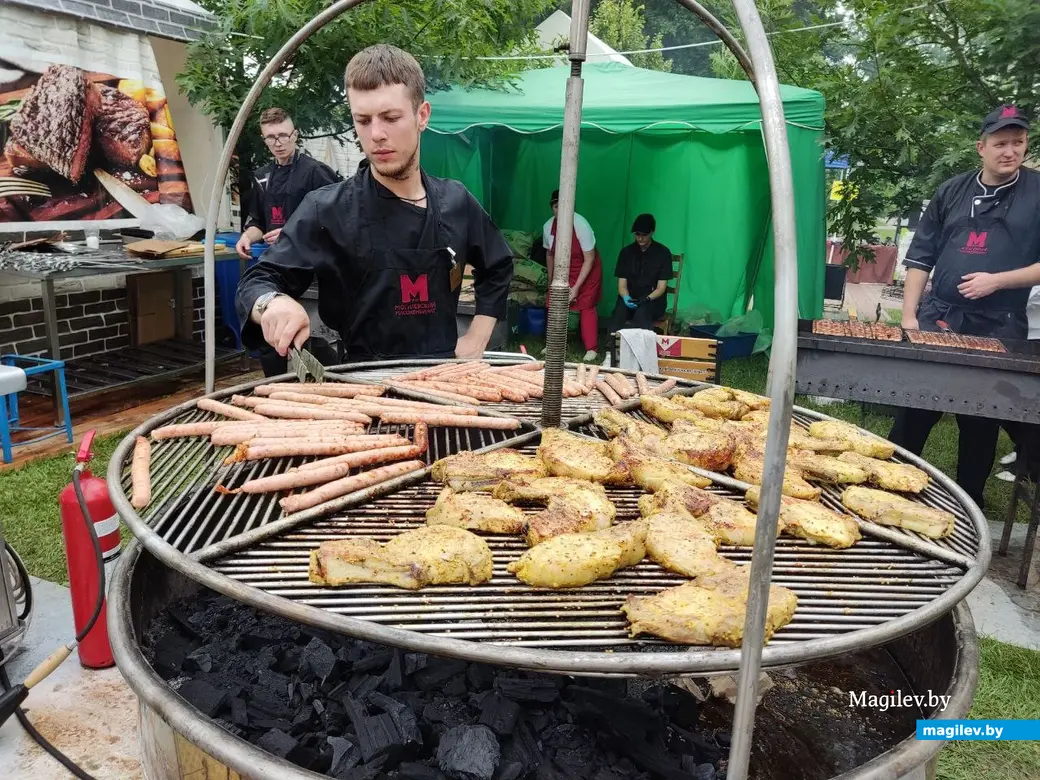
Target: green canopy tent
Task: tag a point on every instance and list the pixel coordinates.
(688, 150)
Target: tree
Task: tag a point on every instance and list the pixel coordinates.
(447, 37)
(906, 89)
(620, 24)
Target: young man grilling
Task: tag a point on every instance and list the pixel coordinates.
(388, 247)
(979, 239)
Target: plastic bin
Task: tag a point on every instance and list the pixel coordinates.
(532, 321)
(227, 276)
(741, 345)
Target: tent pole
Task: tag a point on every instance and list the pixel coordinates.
(262, 80)
(559, 288)
(781, 382)
(724, 34)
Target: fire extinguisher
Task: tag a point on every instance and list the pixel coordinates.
(91, 507)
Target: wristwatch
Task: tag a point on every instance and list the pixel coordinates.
(261, 304)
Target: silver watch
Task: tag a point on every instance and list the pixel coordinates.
(264, 301)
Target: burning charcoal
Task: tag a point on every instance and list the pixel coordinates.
(541, 689)
(468, 753)
(450, 712)
(344, 755)
(203, 696)
(499, 714)
(456, 686)
(413, 771)
(393, 680)
(376, 662)
(480, 676)
(413, 662)
(437, 672)
(277, 742)
(238, 712)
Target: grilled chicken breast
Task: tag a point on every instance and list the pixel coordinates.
(887, 475)
(430, 555)
(470, 471)
(476, 512)
(616, 423)
(667, 410)
(569, 455)
(573, 560)
(812, 521)
(649, 471)
(677, 494)
(708, 611)
(750, 470)
(890, 509)
(731, 523)
(682, 544)
(824, 468)
(572, 505)
(690, 445)
(718, 402)
(858, 440)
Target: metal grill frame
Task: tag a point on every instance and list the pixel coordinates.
(676, 661)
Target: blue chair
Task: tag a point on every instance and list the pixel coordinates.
(14, 372)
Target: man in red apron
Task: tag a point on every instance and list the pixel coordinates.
(388, 246)
(586, 274)
(979, 239)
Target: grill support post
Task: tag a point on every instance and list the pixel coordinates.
(559, 286)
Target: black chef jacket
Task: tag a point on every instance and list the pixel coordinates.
(278, 190)
(969, 227)
(388, 272)
(643, 270)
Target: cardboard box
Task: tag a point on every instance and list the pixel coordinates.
(152, 299)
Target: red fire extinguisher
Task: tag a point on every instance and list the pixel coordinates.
(94, 649)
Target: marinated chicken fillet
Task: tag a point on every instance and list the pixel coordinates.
(731, 523)
(887, 475)
(469, 471)
(568, 455)
(574, 560)
(858, 440)
(430, 555)
(708, 611)
(476, 512)
(677, 494)
(890, 509)
(682, 544)
(688, 444)
(799, 439)
(718, 402)
(812, 521)
(649, 471)
(572, 505)
(824, 468)
(794, 484)
(616, 423)
(668, 410)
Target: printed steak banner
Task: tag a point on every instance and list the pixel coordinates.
(84, 129)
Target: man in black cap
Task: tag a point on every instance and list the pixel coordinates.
(979, 239)
(643, 270)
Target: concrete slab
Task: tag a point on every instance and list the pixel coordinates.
(91, 716)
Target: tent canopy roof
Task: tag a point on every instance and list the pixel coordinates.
(618, 99)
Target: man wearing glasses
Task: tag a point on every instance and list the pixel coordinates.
(279, 186)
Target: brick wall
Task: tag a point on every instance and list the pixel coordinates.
(141, 16)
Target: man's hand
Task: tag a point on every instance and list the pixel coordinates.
(469, 347)
(910, 323)
(285, 323)
(978, 285)
(272, 235)
(243, 247)
(571, 295)
(629, 302)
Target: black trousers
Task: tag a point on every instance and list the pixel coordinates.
(642, 317)
(1026, 437)
(976, 445)
(274, 364)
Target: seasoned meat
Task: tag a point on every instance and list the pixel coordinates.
(812, 521)
(890, 509)
(54, 122)
(887, 475)
(121, 128)
(469, 471)
(649, 471)
(475, 512)
(569, 455)
(858, 440)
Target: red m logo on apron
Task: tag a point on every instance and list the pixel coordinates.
(976, 240)
(412, 291)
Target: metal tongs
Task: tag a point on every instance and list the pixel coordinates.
(304, 364)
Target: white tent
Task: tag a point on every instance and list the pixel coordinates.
(557, 27)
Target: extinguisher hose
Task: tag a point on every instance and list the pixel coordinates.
(19, 713)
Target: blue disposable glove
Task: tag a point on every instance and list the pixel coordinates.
(629, 302)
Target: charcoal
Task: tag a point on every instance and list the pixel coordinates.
(275, 682)
(170, 653)
(238, 712)
(307, 757)
(302, 720)
(203, 697)
(523, 749)
(362, 685)
(456, 686)
(198, 661)
(450, 712)
(413, 662)
(704, 772)
(468, 753)
(539, 689)
(510, 771)
(539, 720)
(318, 706)
(289, 661)
(269, 723)
(339, 691)
(437, 672)
(344, 755)
(404, 719)
(476, 700)
(393, 680)
(723, 738)
(546, 771)
(336, 678)
(377, 736)
(480, 677)
(367, 771)
(376, 662)
(305, 690)
(651, 758)
(414, 771)
(608, 773)
(692, 742)
(277, 742)
(575, 749)
(499, 714)
(183, 621)
(688, 763)
(269, 702)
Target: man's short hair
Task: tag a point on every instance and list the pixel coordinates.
(274, 115)
(383, 65)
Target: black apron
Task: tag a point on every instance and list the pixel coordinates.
(973, 244)
(274, 199)
(404, 305)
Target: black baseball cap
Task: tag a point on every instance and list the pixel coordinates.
(554, 198)
(645, 224)
(1004, 116)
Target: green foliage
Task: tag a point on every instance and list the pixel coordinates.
(446, 37)
(906, 89)
(620, 24)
